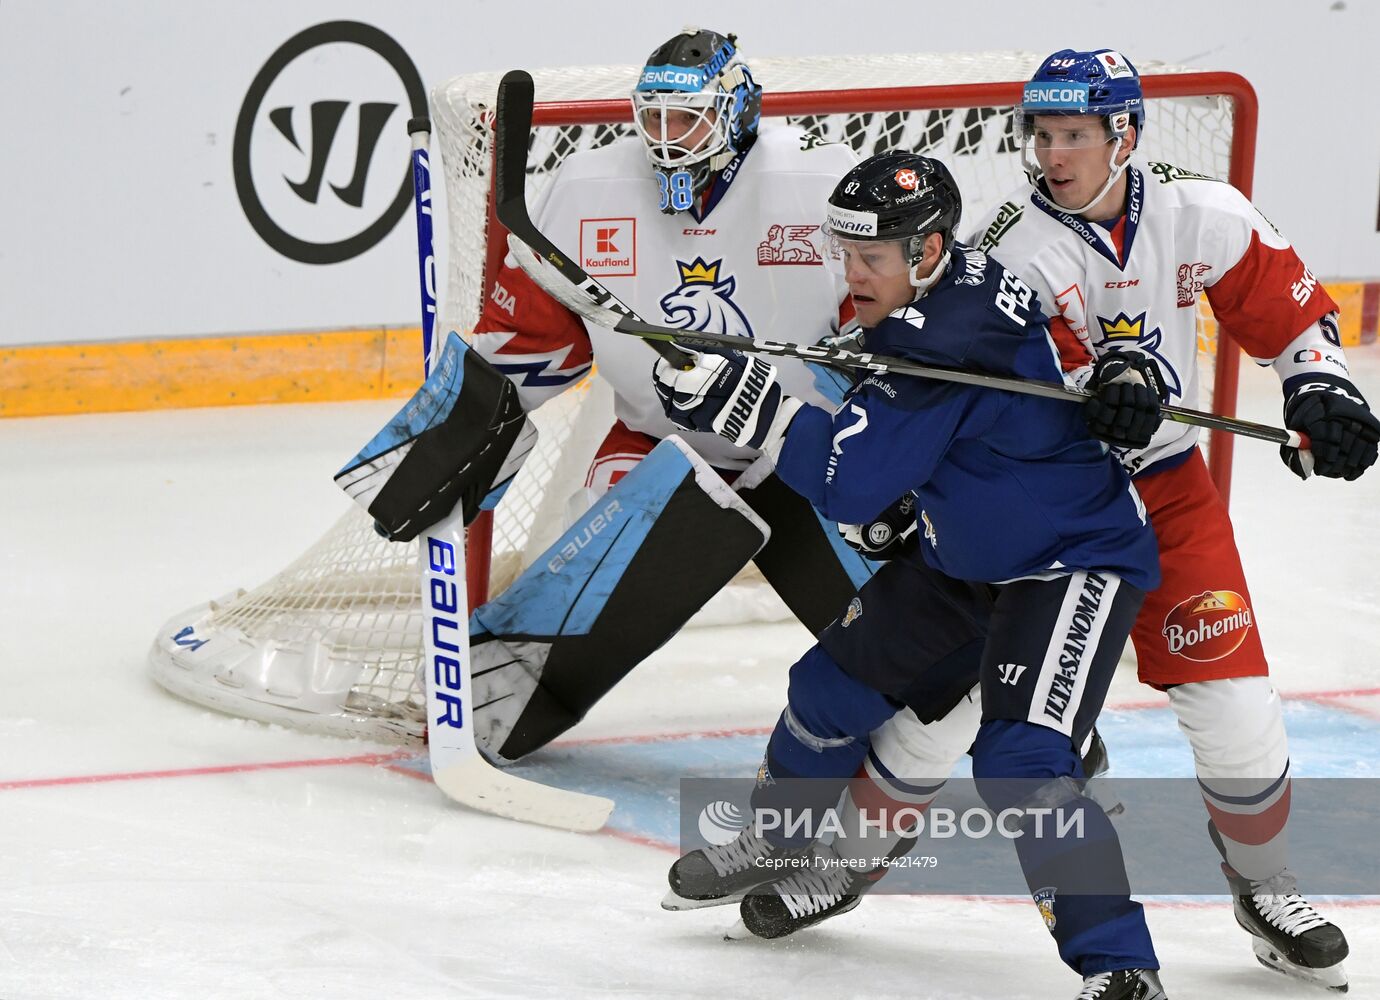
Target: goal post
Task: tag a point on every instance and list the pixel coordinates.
(332, 644)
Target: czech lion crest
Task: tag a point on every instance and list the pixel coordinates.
(704, 301)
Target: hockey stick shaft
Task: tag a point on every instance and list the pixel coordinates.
(457, 767)
(605, 309)
(901, 366)
(512, 131)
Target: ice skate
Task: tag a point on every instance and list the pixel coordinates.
(804, 897)
(1123, 984)
(715, 876)
(1287, 934)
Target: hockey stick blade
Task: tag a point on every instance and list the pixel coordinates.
(512, 132)
(476, 783)
(606, 312)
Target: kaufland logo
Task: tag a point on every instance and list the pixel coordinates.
(608, 247)
(1055, 95)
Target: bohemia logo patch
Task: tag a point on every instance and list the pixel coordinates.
(704, 301)
(789, 245)
(1209, 626)
(608, 247)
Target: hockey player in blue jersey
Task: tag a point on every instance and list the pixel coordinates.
(1032, 535)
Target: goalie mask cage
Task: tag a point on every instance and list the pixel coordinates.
(332, 644)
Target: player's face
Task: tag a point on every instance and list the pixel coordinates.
(685, 130)
(878, 276)
(1073, 152)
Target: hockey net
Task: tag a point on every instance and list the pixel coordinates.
(332, 644)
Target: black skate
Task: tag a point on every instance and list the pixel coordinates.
(1287, 934)
(1123, 984)
(806, 896)
(714, 876)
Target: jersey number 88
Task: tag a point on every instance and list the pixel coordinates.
(677, 190)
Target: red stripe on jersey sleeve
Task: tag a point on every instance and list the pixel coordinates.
(1268, 299)
(1073, 352)
(541, 324)
(847, 314)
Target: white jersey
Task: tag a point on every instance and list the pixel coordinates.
(745, 262)
(1137, 285)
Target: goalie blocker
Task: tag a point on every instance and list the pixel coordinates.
(461, 438)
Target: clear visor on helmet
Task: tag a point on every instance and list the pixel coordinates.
(1066, 131)
(681, 129)
(861, 259)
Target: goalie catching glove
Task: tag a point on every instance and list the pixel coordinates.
(1127, 392)
(1342, 431)
(729, 394)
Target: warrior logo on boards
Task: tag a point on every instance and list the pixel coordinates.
(319, 157)
(704, 300)
(1122, 332)
(1207, 626)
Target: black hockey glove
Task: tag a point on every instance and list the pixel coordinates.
(888, 535)
(1128, 390)
(1338, 422)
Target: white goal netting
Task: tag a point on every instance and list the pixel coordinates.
(333, 643)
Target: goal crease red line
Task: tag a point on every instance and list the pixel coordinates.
(1332, 699)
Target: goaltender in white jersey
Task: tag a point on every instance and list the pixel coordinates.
(705, 223)
(744, 260)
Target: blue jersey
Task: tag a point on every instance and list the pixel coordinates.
(1009, 485)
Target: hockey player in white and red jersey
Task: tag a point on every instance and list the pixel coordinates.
(718, 232)
(1123, 248)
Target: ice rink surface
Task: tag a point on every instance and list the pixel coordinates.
(154, 849)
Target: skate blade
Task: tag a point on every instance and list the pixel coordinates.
(1333, 977)
(677, 903)
(738, 932)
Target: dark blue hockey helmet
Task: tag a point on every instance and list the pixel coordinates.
(1102, 82)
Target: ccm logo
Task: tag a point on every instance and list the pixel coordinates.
(698, 232)
(1122, 284)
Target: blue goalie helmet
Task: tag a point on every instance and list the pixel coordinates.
(696, 107)
(1103, 82)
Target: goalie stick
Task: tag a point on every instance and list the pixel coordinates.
(580, 293)
(459, 770)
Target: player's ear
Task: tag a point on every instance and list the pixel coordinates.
(934, 246)
(1128, 143)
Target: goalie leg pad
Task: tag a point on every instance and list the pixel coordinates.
(805, 561)
(604, 596)
(460, 438)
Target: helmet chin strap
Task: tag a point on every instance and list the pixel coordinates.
(923, 285)
(1034, 174)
